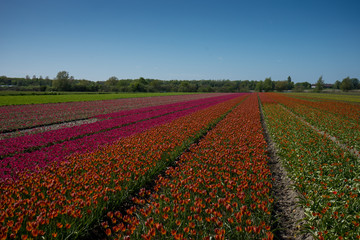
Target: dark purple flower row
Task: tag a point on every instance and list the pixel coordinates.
(28, 142)
(10, 166)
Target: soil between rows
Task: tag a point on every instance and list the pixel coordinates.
(287, 214)
(96, 232)
(50, 127)
(353, 151)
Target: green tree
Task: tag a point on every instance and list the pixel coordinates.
(290, 84)
(259, 86)
(63, 81)
(355, 83)
(299, 87)
(83, 85)
(337, 84)
(307, 85)
(155, 86)
(268, 85)
(184, 86)
(319, 86)
(138, 85)
(228, 86)
(205, 88)
(111, 84)
(124, 85)
(281, 85)
(346, 84)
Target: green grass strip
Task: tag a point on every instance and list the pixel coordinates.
(79, 97)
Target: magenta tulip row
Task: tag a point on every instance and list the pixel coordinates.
(30, 161)
(25, 116)
(29, 142)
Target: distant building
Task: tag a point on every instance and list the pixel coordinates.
(326, 85)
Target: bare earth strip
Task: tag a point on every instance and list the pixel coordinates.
(332, 138)
(46, 128)
(288, 214)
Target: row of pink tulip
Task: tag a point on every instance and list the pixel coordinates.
(112, 120)
(25, 116)
(11, 166)
(63, 200)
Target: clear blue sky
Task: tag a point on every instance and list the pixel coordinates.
(181, 39)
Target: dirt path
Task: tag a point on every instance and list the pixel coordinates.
(332, 138)
(287, 214)
(35, 130)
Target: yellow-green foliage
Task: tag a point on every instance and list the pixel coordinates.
(329, 96)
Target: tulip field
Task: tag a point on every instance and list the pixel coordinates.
(177, 167)
(326, 175)
(17, 117)
(38, 150)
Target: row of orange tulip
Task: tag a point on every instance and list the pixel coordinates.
(65, 199)
(220, 188)
(56, 145)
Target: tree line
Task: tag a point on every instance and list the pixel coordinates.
(64, 82)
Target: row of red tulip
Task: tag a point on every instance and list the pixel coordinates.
(108, 121)
(220, 188)
(29, 161)
(64, 199)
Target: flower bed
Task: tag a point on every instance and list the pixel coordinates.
(338, 119)
(109, 121)
(26, 116)
(220, 188)
(64, 199)
(29, 161)
(326, 175)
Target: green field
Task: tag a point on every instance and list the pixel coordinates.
(76, 97)
(329, 96)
